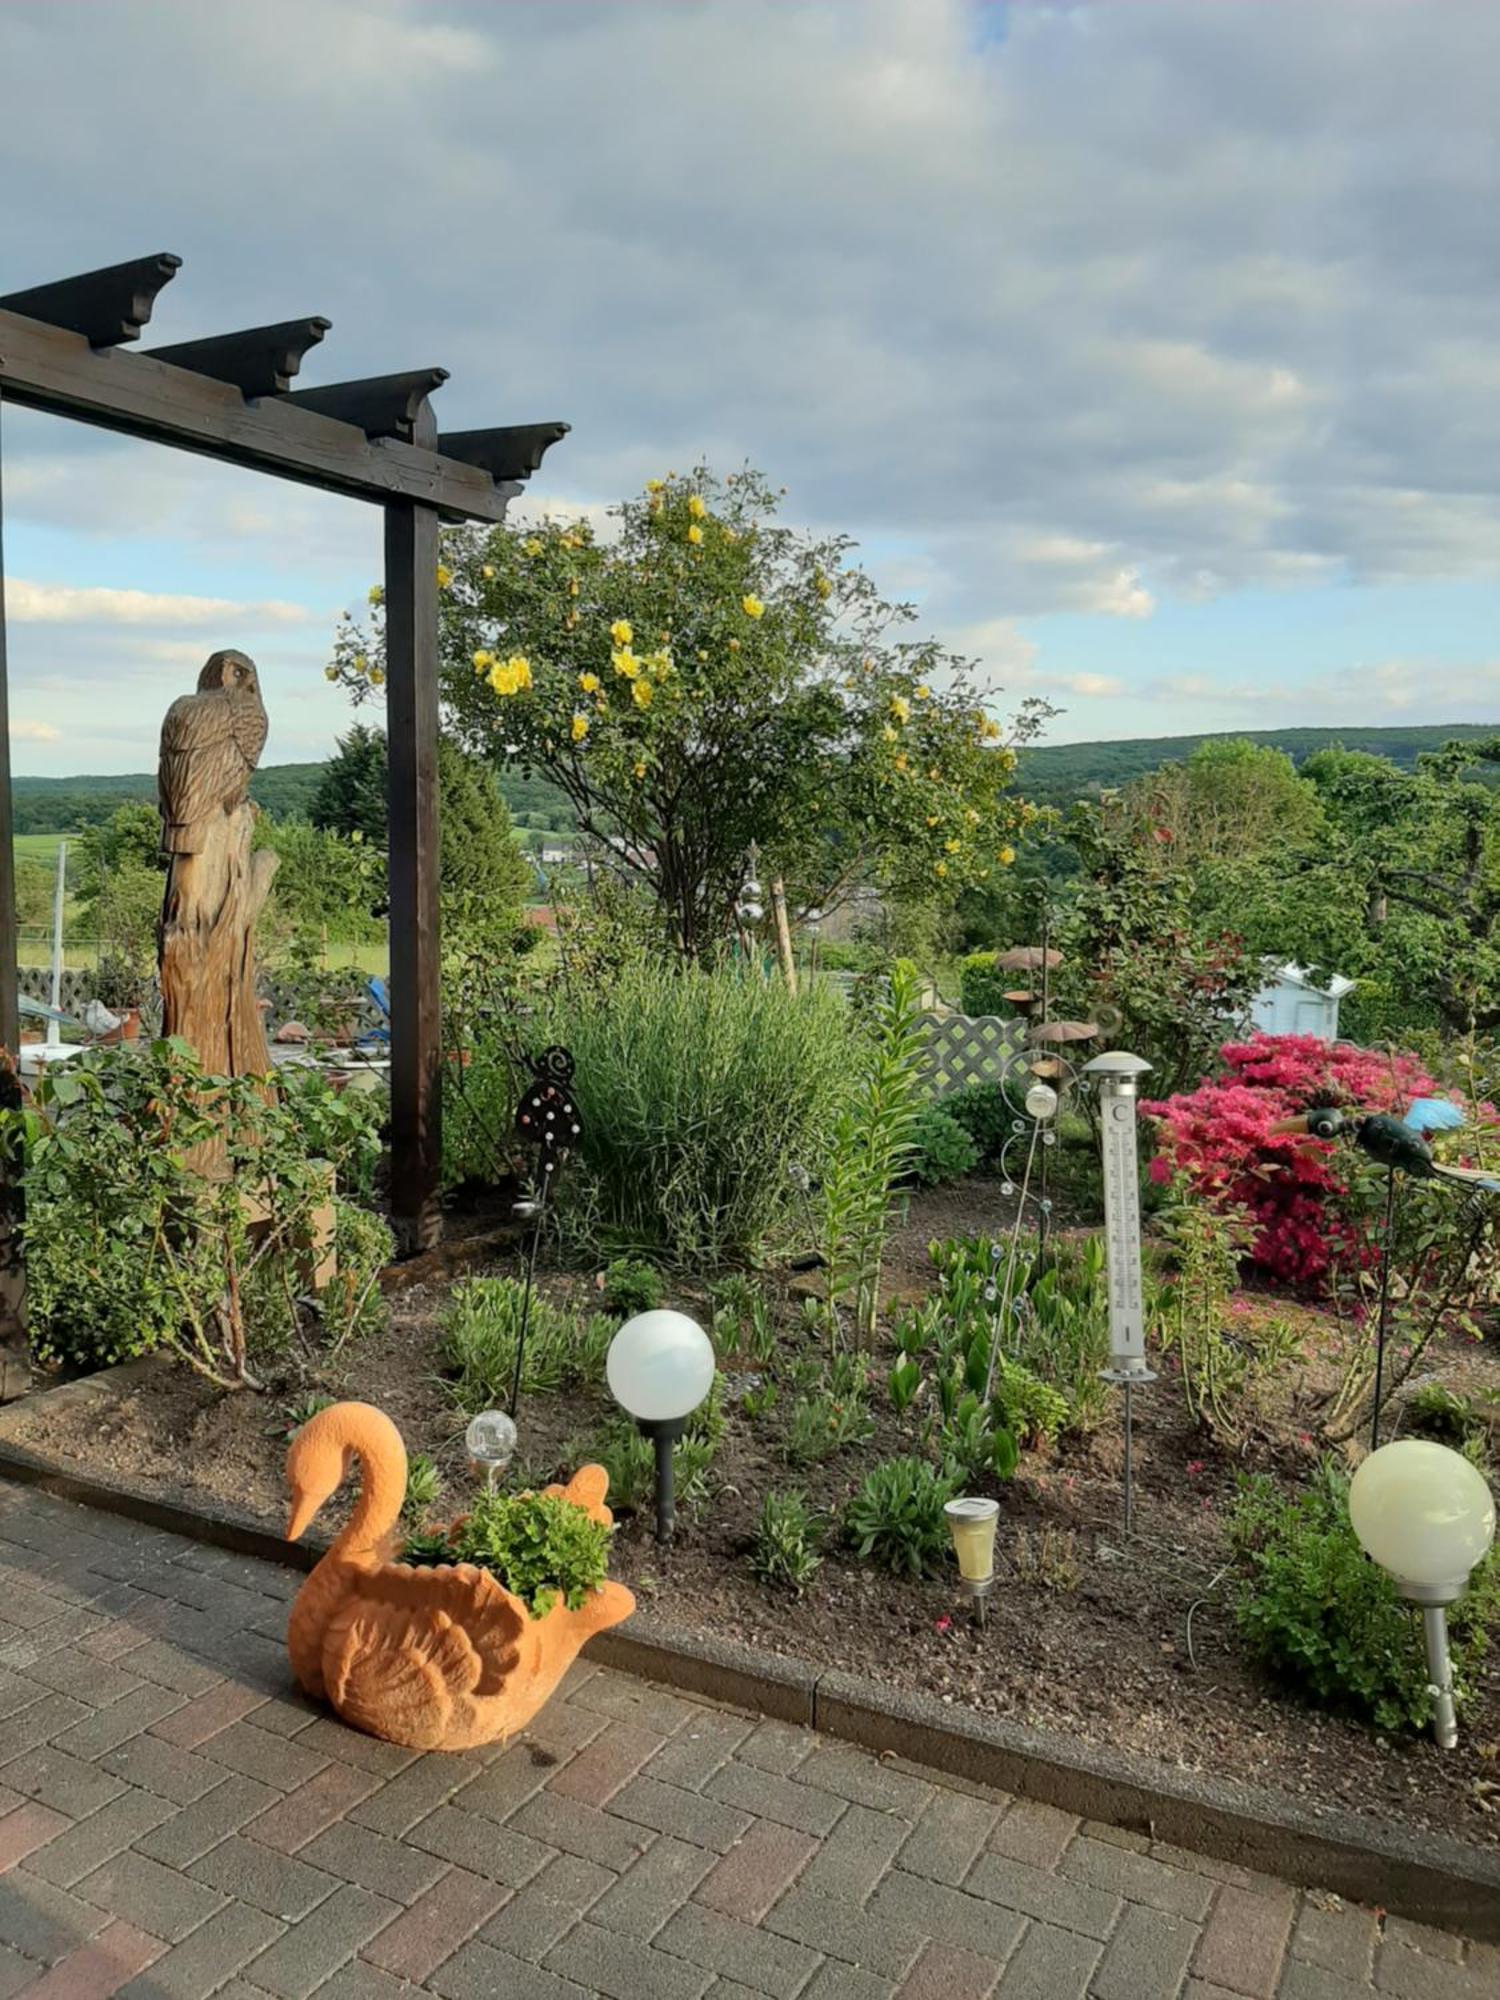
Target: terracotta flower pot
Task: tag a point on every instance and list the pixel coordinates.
(436, 1659)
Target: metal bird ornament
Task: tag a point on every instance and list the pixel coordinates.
(547, 1117)
(1400, 1144)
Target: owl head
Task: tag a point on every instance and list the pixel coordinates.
(229, 669)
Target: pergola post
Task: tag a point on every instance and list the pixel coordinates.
(15, 1364)
(411, 698)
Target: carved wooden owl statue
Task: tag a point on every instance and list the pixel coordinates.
(210, 743)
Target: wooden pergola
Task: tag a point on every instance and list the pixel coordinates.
(231, 398)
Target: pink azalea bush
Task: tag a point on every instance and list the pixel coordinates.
(1219, 1138)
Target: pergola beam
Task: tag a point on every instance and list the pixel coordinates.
(107, 307)
(50, 368)
(260, 361)
(382, 406)
(512, 452)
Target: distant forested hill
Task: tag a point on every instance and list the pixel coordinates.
(63, 805)
(1060, 772)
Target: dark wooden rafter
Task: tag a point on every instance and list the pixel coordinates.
(514, 451)
(382, 406)
(260, 361)
(107, 307)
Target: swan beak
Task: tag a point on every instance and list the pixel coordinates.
(304, 1506)
(1285, 1125)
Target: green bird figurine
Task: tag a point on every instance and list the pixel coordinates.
(1398, 1143)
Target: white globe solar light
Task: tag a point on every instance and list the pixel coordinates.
(490, 1441)
(659, 1368)
(1041, 1101)
(751, 912)
(1426, 1516)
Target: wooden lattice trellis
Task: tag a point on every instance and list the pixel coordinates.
(960, 1049)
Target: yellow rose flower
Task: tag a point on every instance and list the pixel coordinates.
(696, 507)
(376, 594)
(923, 692)
(482, 659)
(752, 606)
(901, 708)
(572, 586)
(932, 819)
(940, 868)
(951, 846)
(888, 733)
(695, 535)
(444, 576)
(377, 677)
(822, 586)
(589, 683)
(532, 547)
(901, 761)
(990, 731)
(655, 485)
(621, 632)
(640, 770)
(642, 692)
(360, 663)
(625, 662)
(580, 727)
(1006, 856)
(522, 668)
(488, 572)
(570, 623)
(734, 645)
(971, 816)
(330, 673)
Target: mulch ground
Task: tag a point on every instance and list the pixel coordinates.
(1131, 1645)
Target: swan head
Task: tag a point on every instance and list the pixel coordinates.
(324, 1452)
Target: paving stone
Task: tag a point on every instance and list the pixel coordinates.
(1245, 1939)
(834, 1980)
(1129, 1873)
(785, 1800)
(854, 1775)
(17, 1973)
(294, 1820)
(17, 1691)
(1336, 1935)
(857, 1853)
(597, 1772)
(419, 1939)
(413, 1793)
(1036, 1834)
(360, 1981)
(1302, 1981)
(845, 1930)
(37, 1724)
(255, 1753)
(97, 1682)
(96, 1969)
(276, 1883)
(480, 1845)
(1417, 1975)
(214, 1952)
(66, 1784)
(145, 1704)
(88, 1845)
(1116, 1836)
(563, 1728)
(928, 1908)
(297, 1964)
(153, 1898)
(374, 1861)
(42, 1922)
(286, 1712)
(759, 1959)
(746, 1881)
(584, 1830)
(27, 1828)
(198, 1721)
(1050, 1964)
(179, 1775)
(1423, 1938)
(181, 1841)
(478, 1972)
(351, 1746)
(778, 1747)
(699, 1748)
(528, 1924)
(641, 1900)
(948, 1837)
(1146, 1958)
(944, 1972)
(630, 1700)
(169, 1665)
(570, 1879)
(1051, 1898)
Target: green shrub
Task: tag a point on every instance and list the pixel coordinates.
(1318, 1612)
(822, 1424)
(481, 1326)
(941, 1149)
(631, 1285)
(697, 1090)
(742, 1322)
(895, 1517)
(784, 1553)
(982, 985)
(972, 1445)
(424, 1483)
(983, 1112)
(1032, 1409)
(629, 1458)
(543, 1548)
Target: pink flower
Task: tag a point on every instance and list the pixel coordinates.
(942, 1624)
(1194, 1467)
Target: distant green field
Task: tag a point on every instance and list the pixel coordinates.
(39, 846)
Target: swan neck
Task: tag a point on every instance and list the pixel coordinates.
(382, 1488)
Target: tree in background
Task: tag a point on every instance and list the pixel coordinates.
(706, 681)
(118, 885)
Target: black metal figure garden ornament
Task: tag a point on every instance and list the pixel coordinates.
(1402, 1146)
(546, 1119)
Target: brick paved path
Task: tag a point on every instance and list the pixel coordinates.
(176, 1822)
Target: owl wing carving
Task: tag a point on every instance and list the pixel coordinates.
(209, 746)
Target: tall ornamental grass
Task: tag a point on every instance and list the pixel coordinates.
(699, 1089)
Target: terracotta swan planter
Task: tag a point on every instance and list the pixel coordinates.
(436, 1659)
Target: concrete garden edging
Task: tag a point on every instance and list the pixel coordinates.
(1426, 1878)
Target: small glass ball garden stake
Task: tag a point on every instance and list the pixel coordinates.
(660, 1366)
(490, 1441)
(1425, 1515)
(972, 1522)
(546, 1118)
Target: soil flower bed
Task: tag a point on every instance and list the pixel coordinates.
(1130, 1645)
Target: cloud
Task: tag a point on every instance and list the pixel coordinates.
(34, 732)
(68, 604)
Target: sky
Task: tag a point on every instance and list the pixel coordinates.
(1151, 350)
